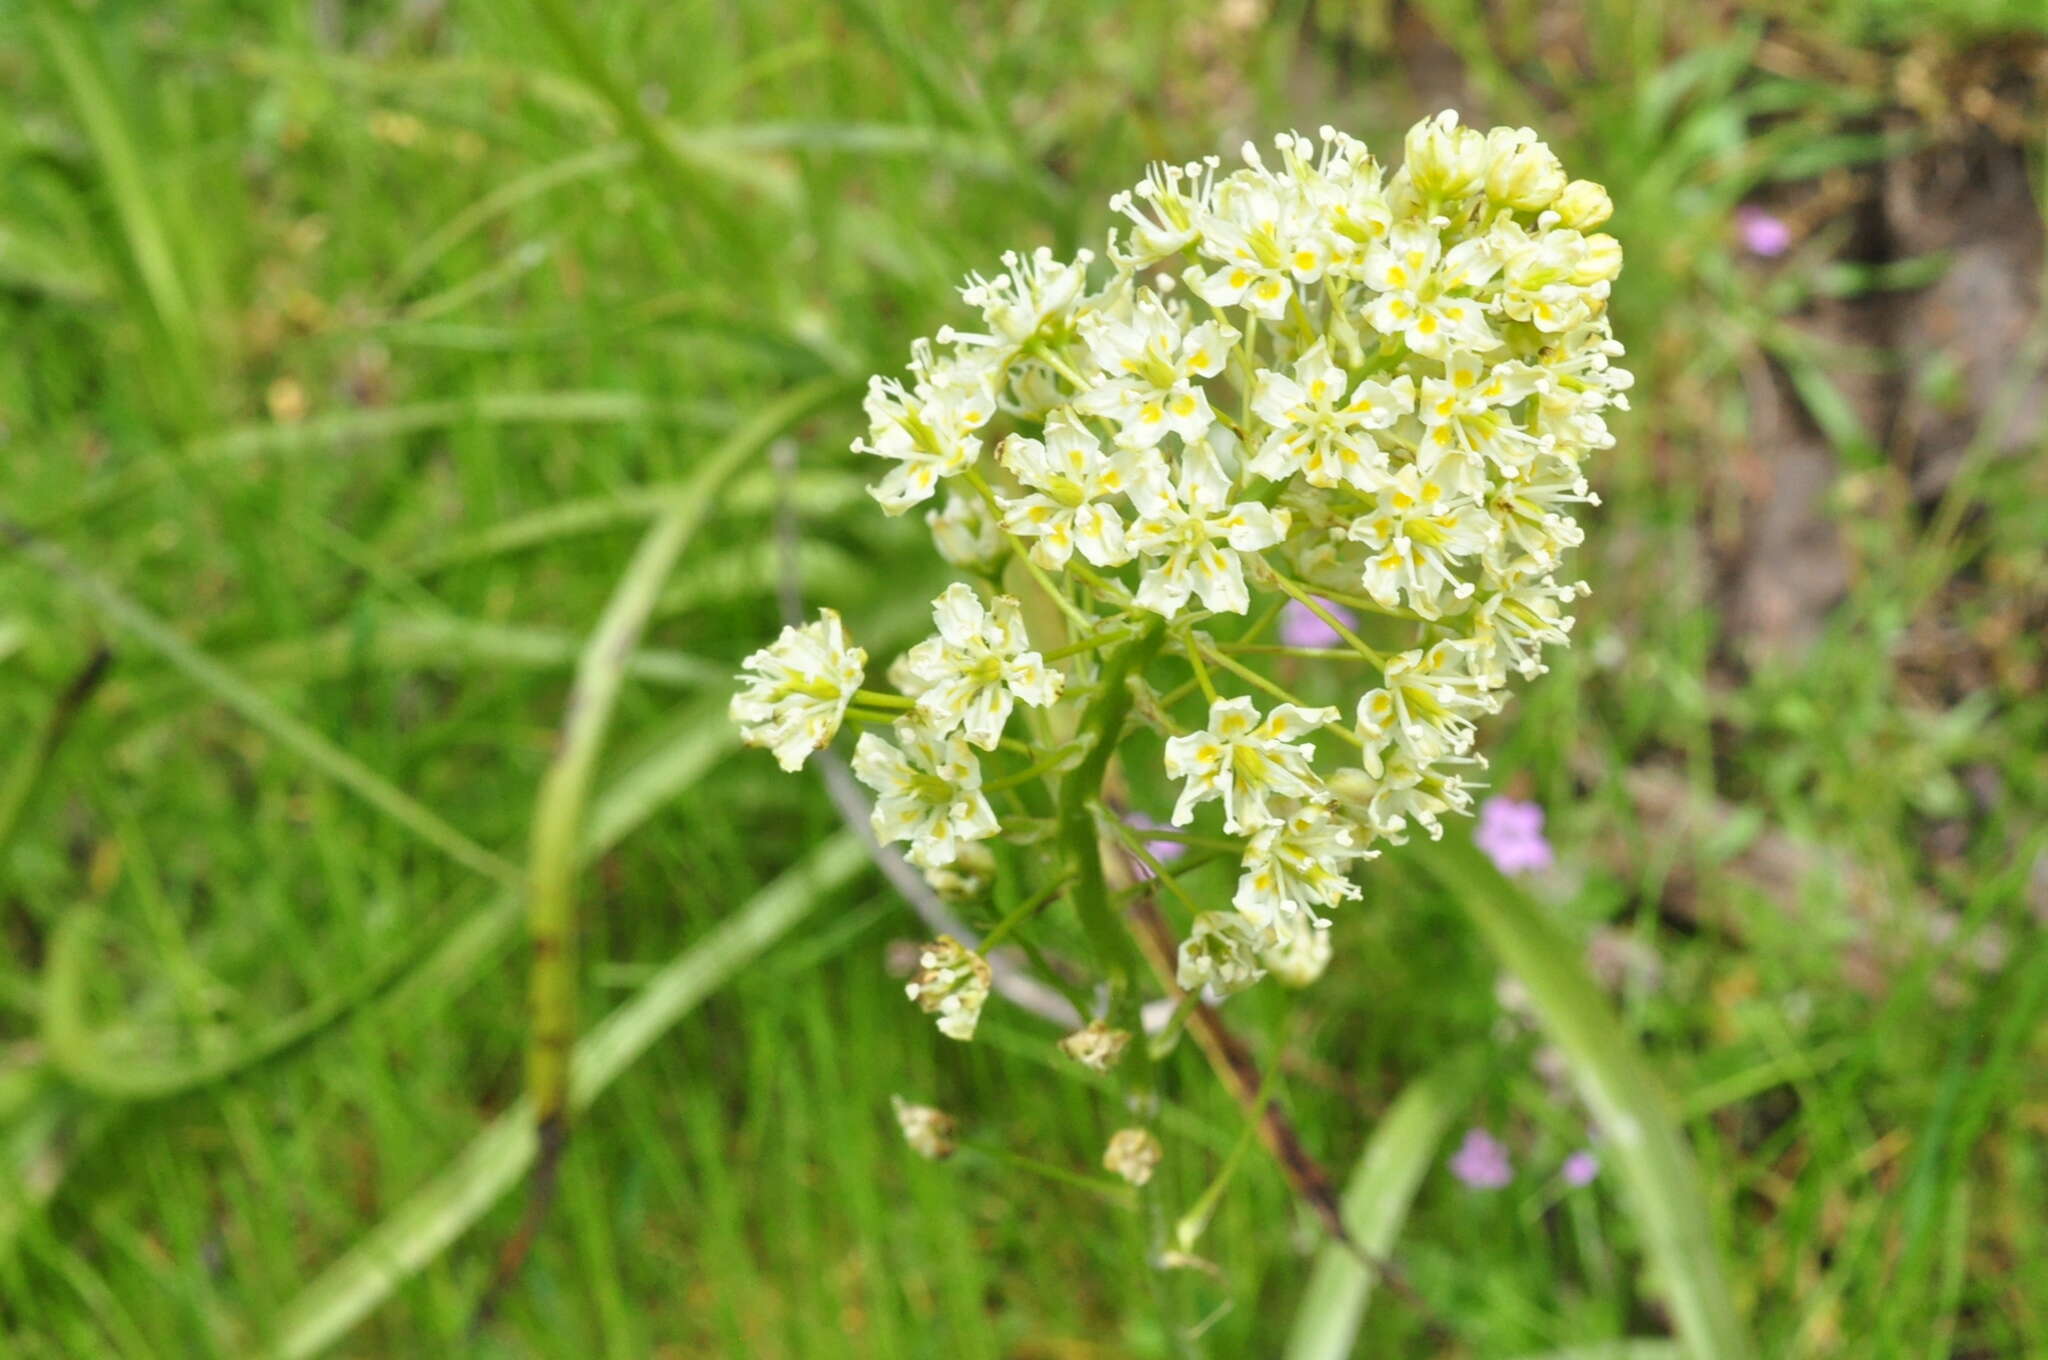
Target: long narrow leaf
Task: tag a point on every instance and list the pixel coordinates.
(1658, 1176)
(420, 1228)
(1375, 1206)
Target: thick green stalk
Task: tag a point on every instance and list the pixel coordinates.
(1078, 835)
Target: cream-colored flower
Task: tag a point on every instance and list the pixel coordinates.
(928, 792)
(1297, 952)
(968, 535)
(795, 691)
(1321, 433)
(1246, 761)
(971, 674)
(1152, 364)
(1426, 293)
(929, 1132)
(1220, 954)
(1444, 162)
(1032, 301)
(1073, 481)
(1190, 534)
(1418, 536)
(952, 983)
(1133, 1154)
(1425, 705)
(926, 429)
(1265, 237)
(1296, 865)
(1167, 210)
(1097, 1046)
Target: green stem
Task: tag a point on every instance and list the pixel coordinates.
(1021, 913)
(1317, 608)
(1081, 839)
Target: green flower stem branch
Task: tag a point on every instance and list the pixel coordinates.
(1661, 1183)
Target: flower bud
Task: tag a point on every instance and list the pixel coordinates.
(1583, 205)
(1445, 161)
(1298, 950)
(1096, 1047)
(1221, 952)
(1133, 1154)
(967, 535)
(952, 984)
(929, 1132)
(1522, 173)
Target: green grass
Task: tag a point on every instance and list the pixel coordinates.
(354, 348)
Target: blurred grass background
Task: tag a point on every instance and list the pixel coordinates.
(351, 347)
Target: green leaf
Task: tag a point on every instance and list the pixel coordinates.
(1375, 1207)
(1660, 1182)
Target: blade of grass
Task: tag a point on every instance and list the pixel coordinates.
(565, 788)
(237, 694)
(81, 1060)
(1376, 1202)
(440, 1211)
(1661, 1182)
(136, 201)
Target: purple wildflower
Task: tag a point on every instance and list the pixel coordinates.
(1166, 852)
(1581, 1167)
(1761, 232)
(1300, 627)
(1511, 833)
(1481, 1161)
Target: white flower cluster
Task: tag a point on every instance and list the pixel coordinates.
(1301, 384)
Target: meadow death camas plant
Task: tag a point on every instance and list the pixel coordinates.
(1304, 387)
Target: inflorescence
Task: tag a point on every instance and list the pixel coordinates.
(1307, 386)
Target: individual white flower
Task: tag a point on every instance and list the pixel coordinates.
(1417, 535)
(1097, 1045)
(927, 1131)
(1072, 480)
(928, 792)
(1151, 364)
(1297, 951)
(1220, 954)
(1467, 412)
(1031, 302)
(1425, 705)
(952, 983)
(1406, 793)
(1532, 525)
(1297, 864)
(1345, 187)
(1191, 535)
(1554, 280)
(1265, 237)
(1319, 432)
(796, 689)
(1521, 617)
(973, 672)
(926, 429)
(967, 535)
(1245, 761)
(1133, 1154)
(1167, 211)
(1425, 292)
